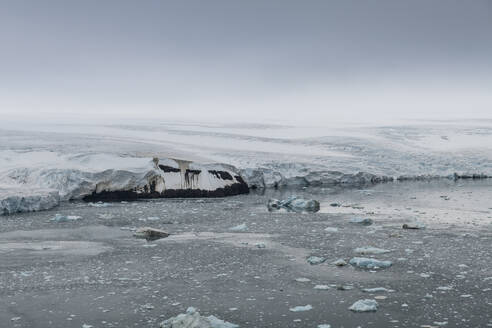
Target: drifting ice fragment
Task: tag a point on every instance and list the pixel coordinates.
(193, 319)
(313, 260)
(241, 227)
(368, 250)
(365, 305)
(293, 204)
(375, 290)
(413, 225)
(301, 308)
(367, 263)
(340, 262)
(363, 221)
(65, 218)
(303, 279)
(322, 287)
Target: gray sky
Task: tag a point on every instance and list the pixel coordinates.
(305, 61)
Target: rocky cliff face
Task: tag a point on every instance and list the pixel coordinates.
(172, 178)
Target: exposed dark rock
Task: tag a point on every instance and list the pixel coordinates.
(131, 195)
(150, 233)
(169, 169)
(224, 175)
(413, 225)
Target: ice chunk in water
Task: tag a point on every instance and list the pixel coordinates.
(366, 305)
(367, 263)
(301, 308)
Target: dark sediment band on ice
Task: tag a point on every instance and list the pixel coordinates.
(224, 175)
(455, 176)
(169, 169)
(131, 195)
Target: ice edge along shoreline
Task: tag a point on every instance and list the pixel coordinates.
(194, 181)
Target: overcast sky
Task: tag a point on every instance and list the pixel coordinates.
(305, 61)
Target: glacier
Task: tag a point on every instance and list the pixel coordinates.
(117, 162)
(49, 178)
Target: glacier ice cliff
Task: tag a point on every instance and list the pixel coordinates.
(37, 181)
(14, 200)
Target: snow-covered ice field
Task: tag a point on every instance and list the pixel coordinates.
(411, 148)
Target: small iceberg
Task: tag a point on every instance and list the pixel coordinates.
(313, 260)
(240, 227)
(65, 218)
(293, 204)
(301, 308)
(368, 250)
(193, 319)
(362, 221)
(367, 263)
(366, 305)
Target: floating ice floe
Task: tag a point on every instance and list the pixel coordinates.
(322, 287)
(324, 325)
(365, 305)
(150, 218)
(362, 221)
(65, 218)
(440, 323)
(331, 229)
(303, 279)
(368, 250)
(99, 204)
(340, 262)
(313, 260)
(301, 308)
(368, 263)
(240, 227)
(375, 290)
(193, 319)
(293, 204)
(413, 225)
